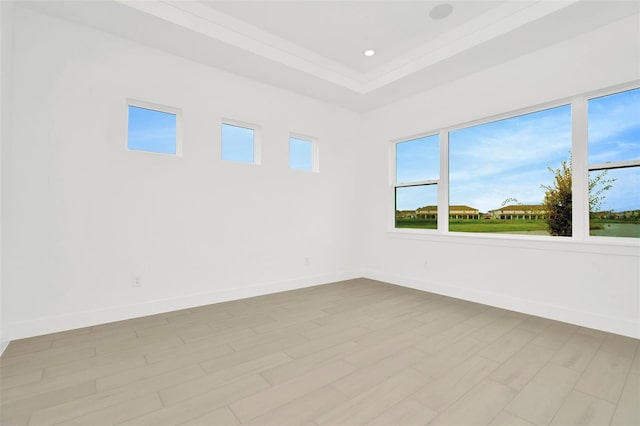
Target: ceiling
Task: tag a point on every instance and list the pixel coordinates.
(342, 31)
(315, 48)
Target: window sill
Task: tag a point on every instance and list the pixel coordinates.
(596, 245)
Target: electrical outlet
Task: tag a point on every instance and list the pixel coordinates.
(136, 281)
(307, 261)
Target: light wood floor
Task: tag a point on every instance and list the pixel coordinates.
(349, 353)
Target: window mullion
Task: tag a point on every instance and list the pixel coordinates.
(579, 170)
(443, 187)
(392, 184)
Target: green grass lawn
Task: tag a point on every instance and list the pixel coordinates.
(532, 227)
(416, 224)
(470, 225)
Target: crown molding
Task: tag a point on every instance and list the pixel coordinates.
(206, 21)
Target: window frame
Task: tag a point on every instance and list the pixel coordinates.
(506, 116)
(158, 108)
(428, 182)
(257, 140)
(315, 151)
(601, 166)
(580, 172)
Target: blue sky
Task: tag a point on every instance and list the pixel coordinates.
(509, 159)
(614, 135)
(300, 154)
(155, 131)
(418, 160)
(237, 143)
(614, 127)
(150, 130)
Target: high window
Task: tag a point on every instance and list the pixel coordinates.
(153, 128)
(239, 143)
(417, 173)
(303, 153)
(614, 164)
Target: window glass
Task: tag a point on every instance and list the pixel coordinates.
(500, 173)
(614, 165)
(617, 212)
(614, 127)
(418, 160)
(237, 143)
(417, 177)
(416, 207)
(151, 130)
(300, 154)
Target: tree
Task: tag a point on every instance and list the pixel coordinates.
(597, 186)
(510, 200)
(558, 201)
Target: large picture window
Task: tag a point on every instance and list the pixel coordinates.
(500, 172)
(417, 173)
(539, 173)
(614, 165)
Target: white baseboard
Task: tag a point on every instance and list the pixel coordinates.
(46, 325)
(609, 324)
(80, 319)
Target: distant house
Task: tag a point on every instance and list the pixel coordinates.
(519, 211)
(463, 212)
(405, 214)
(427, 212)
(455, 212)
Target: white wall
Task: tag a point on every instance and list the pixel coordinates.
(592, 284)
(85, 214)
(3, 65)
(81, 214)
(6, 53)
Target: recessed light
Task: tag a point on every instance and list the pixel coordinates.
(441, 11)
(369, 52)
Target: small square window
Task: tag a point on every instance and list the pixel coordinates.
(153, 128)
(239, 143)
(302, 154)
